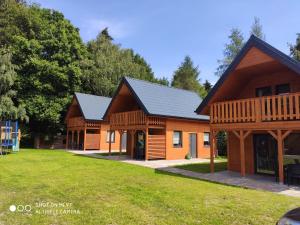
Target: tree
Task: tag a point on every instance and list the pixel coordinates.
(295, 49)
(8, 109)
(256, 29)
(107, 63)
(236, 42)
(207, 86)
(47, 50)
(187, 77)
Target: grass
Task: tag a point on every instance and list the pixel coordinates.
(111, 192)
(220, 165)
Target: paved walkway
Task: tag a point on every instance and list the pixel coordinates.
(154, 164)
(232, 178)
(226, 177)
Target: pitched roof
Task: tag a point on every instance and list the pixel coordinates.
(160, 100)
(92, 107)
(264, 47)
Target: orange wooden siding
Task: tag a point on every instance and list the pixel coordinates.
(156, 146)
(186, 127)
(104, 144)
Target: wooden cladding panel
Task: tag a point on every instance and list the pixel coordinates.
(156, 146)
(271, 108)
(92, 141)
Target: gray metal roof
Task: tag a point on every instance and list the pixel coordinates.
(92, 107)
(162, 100)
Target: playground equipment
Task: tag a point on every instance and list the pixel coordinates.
(9, 136)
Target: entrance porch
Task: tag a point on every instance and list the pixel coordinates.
(146, 136)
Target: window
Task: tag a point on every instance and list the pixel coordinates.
(177, 139)
(282, 89)
(263, 91)
(206, 139)
(112, 139)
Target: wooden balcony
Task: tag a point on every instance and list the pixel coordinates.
(263, 110)
(134, 120)
(80, 122)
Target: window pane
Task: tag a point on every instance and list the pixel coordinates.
(177, 138)
(112, 136)
(206, 138)
(282, 89)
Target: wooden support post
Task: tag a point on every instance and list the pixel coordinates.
(84, 141)
(280, 155)
(132, 133)
(120, 145)
(67, 139)
(72, 140)
(78, 132)
(212, 151)
(228, 150)
(146, 144)
(109, 143)
(242, 153)
(100, 138)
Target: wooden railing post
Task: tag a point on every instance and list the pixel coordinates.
(258, 110)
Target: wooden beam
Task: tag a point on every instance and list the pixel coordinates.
(120, 145)
(212, 151)
(286, 134)
(242, 153)
(78, 132)
(146, 144)
(236, 134)
(132, 133)
(84, 141)
(228, 150)
(246, 134)
(280, 155)
(273, 134)
(100, 138)
(109, 143)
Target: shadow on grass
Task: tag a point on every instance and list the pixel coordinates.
(204, 167)
(162, 172)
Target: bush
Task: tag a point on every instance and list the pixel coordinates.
(188, 156)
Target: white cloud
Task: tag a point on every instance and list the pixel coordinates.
(116, 29)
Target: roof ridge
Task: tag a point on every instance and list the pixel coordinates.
(165, 86)
(93, 95)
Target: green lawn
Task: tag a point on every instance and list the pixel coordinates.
(220, 165)
(111, 192)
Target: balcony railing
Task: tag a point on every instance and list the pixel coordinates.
(80, 122)
(263, 109)
(134, 118)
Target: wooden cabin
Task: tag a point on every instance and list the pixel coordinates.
(160, 121)
(86, 129)
(256, 101)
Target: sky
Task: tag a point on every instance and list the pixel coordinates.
(165, 31)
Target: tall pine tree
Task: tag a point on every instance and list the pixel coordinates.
(236, 42)
(257, 30)
(187, 77)
(295, 49)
